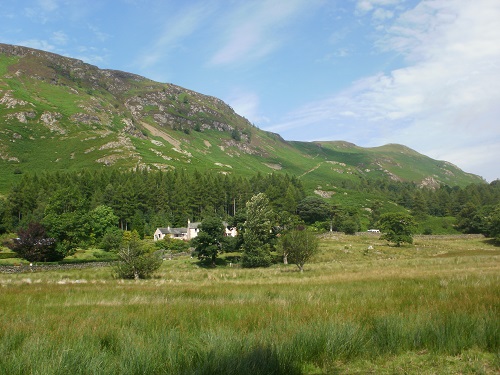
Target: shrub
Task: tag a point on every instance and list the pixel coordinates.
(34, 245)
(235, 134)
(112, 239)
(257, 257)
(135, 262)
(172, 245)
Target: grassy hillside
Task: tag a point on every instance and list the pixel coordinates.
(360, 307)
(58, 113)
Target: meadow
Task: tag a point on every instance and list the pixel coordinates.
(359, 307)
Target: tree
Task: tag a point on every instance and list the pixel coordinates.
(350, 225)
(493, 224)
(65, 219)
(4, 218)
(208, 243)
(257, 233)
(312, 209)
(112, 239)
(298, 246)
(346, 220)
(99, 220)
(470, 220)
(34, 245)
(419, 207)
(397, 227)
(134, 260)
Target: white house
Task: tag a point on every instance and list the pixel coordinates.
(230, 231)
(188, 233)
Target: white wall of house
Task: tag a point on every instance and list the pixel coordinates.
(186, 233)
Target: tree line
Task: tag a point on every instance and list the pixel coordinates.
(78, 208)
(93, 208)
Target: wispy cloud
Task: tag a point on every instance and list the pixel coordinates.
(59, 37)
(177, 27)
(41, 10)
(364, 6)
(246, 104)
(37, 44)
(98, 34)
(48, 5)
(443, 102)
(253, 29)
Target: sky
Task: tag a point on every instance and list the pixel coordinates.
(422, 73)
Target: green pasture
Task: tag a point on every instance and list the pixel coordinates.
(360, 307)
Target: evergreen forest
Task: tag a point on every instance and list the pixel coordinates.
(79, 208)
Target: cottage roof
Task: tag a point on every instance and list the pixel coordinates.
(172, 230)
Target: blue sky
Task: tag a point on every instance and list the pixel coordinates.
(425, 73)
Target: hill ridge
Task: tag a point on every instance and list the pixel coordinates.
(59, 113)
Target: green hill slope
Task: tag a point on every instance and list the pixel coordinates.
(58, 113)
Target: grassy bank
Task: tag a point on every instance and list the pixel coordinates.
(429, 308)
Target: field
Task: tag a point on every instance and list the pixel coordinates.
(360, 307)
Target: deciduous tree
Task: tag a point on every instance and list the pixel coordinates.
(299, 246)
(397, 228)
(208, 243)
(312, 209)
(34, 245)
(258, 232)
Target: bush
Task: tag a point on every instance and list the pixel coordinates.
(350, 226)
(135, 262)
(257, 257)
(112, 239)
(235, 134)
(172, 245)
(34, 245)
(8, 255)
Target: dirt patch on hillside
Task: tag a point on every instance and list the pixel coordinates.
(159, 133)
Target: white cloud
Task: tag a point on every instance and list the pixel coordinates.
(246, 104)
(91, 55)
(101, 36)
(382, 14)
(365, 6)
(37, 44)
(42, 10)
(48, 5)
(444, 102)
(178, 27)
(253, 29)
(59, 37)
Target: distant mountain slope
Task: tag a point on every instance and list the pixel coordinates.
(58, 113)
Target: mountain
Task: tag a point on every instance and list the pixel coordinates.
(59, 113)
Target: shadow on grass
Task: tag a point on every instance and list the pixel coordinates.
(491, 242)
(228, 261)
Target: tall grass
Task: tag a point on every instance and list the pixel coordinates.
(360, 315)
